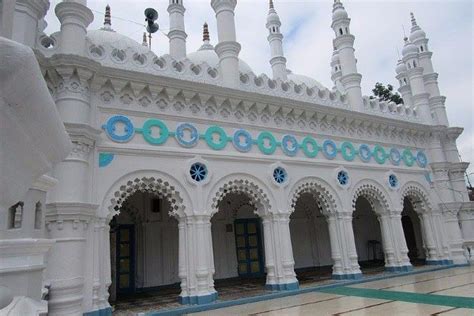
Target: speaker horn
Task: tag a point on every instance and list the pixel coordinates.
(152, 28)
(151, 15)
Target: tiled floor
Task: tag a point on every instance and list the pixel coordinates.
(228, 290)
(444, 292)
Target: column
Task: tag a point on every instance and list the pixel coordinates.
(454, 235)
(269, 251)
(196, 273)
(345, 230)
(285, 277)
(402, 262)
(336, 251)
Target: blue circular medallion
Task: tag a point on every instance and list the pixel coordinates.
(329, 149)
(364, 153)
(111, 130)
(244, 146)
(343, 178)
(310, 147)
(348, 151)
(198, 172)
(289, 144)
(279, 175)
(395, 156)
(421, 159)
(393, 181)
(180, 135)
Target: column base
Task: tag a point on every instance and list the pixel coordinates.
(399, 269)
(101, 312)
(352, 276)
(282, 287)
(198, 300)
(439, 262)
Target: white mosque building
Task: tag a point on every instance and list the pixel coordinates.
(189, 168)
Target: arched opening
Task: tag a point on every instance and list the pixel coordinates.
(144, 251)
(368, 236)
(413, 233)
(238, 245)
(310, 240)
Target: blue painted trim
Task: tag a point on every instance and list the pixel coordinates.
(198, 300)
(283, 287)
(102, 312)
(274, 295)
(399, 269)
(439, 262)
(105, 159)
(354, 276)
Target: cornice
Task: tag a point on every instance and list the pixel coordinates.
(44, 183)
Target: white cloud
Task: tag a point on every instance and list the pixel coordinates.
(377, 25)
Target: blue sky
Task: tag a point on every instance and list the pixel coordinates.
(376, 24)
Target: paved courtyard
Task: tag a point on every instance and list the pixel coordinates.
(444, 292)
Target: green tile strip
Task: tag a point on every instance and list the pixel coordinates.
(443, 300)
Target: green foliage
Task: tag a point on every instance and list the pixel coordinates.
(386, 93)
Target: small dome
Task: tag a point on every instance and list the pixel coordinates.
(273, 17)
(114, 40)
(417, 34)
(409, 48)
(300, 79)
(207, 54)
(401, 67)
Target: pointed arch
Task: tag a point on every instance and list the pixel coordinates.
(258, 193)
(374, 193)
(326, 197)
(418, 196)
(151, 181)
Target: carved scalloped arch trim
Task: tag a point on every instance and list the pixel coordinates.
(418, 197)
(374, 195)
(324, 198)
(152, 185)
(258, 198)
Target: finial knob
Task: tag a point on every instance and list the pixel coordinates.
(271, 4)
(108, 16)
(205, 33)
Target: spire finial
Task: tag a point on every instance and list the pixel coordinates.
(108, 17)
(413, 20)
(271, 5)
(205, 33)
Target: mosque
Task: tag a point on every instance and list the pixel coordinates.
(189, 168)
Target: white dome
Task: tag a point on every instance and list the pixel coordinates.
(409, 48)
(309, 82)
(417, 34)
(114, 40)
(207, 54)
(401, 68)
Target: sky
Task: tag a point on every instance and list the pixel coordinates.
(377, 25)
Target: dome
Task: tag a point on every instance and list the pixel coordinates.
(409, 48)
(108, 38)
(300, 79)
(207, 54)
(417, 34)
(273, 18)
(401, 67)
(338, 11)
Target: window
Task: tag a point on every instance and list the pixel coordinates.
(15, 214)
(421, 49)
(414, 64)
(343, 178)
(279, 175)
(38, 215)
(341, 32)
(198, 172)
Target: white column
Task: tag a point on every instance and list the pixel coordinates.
(177, 33)
(336, 251)
(228, 48)
(454, 235)
(387, 242)
(197, 285)
(400, 244)
(26, 20)
(346, 235)
(269, 251)
(75, 17)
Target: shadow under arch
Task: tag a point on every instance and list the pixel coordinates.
(418, 196)
(374, 193)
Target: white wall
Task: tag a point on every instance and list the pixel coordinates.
(309, 235)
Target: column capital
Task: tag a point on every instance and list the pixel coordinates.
(73, 12)
(223, 5)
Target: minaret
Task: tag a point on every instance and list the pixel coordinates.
(144, 42)
(228, 48)
(404, 89)
(275, 38)
(418, 38)
(206, 39)
(344, 44)
(75, 17)
(107, 20)
(24, 23)
(415, 77)
(177, 33)
(336, 72)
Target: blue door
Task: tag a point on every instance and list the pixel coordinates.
(249, 247)
(125, 259)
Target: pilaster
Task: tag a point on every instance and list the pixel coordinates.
(400, 261)
(455, 239)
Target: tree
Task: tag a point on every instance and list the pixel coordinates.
(386, 93)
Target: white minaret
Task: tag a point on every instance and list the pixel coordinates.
(275, 38)
(177, 33)
(228, 48)
(404, 89)
(415, 77)
(418, 38)
(336, 72)
(75, 17)
(27, 17)
(344, 44)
